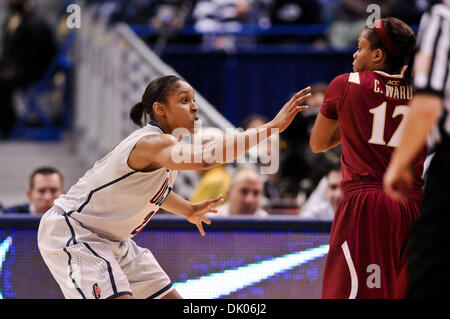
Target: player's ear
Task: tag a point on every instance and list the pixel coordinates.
(158, 109)
(29, 191)
(378, 55)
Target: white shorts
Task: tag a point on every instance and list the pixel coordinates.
(86, 265)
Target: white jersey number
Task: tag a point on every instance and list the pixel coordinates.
(379, 120)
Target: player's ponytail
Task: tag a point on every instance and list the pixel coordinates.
(409, 60)
(137, 113)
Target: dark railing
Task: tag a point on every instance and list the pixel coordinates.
(303, 30)
(312, 29)
(167, 222)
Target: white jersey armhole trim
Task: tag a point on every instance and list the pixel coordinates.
(397, 76)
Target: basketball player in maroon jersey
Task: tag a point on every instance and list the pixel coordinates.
(365, 111)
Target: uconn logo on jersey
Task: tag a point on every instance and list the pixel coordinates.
(158, 199)
(162, 194)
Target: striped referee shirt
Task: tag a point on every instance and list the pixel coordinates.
(432, 64)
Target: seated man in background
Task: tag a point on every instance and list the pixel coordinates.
(244, 195)
(325, 199)
(46, 184)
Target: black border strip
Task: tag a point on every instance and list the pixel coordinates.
(160, 291)
(91, 193)
(111, 277)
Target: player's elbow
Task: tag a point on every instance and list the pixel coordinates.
(315, 145)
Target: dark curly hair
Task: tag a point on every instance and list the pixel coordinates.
(405, 39)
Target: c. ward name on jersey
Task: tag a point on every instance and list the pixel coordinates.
(394, 89)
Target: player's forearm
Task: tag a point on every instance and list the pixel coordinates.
(225, 149)
(177, 205)
(423, 115)
(334, 140)
(325, 134)
(236, 145)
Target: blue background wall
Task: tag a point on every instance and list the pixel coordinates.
(255, 81)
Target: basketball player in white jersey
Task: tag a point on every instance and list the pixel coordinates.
(85, 239)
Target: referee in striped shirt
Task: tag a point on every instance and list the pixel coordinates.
(428, 122)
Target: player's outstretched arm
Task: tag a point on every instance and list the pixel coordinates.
(164, 150)
(195, 213)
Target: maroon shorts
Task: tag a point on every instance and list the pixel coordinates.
(367, 243)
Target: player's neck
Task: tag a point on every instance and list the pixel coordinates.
(159, 125)
(385, 70)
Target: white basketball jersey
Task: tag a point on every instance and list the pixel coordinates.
(114, 200)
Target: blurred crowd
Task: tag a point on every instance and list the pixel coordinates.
(342, 18)
(306, 185)
(29, 42)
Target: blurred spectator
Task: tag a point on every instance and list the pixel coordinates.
(46, 184)
(28, 48)
(212, 16)
(168, 20)
(166, 17)
(214, 181)
(294, 12)
(319, 164)
(171, 14)
(216, 15)
(297, 134)
(253, 120)
(271, 186)
(244, 195)
(185, 183)
(324, 201)
(410, 11)
(298, 163)
(351, 16)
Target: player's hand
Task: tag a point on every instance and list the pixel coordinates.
(395, 180)
(200, 210)
(285, 116)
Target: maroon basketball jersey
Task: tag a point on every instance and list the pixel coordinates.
(370, 107)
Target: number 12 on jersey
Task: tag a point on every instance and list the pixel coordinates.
(378, 125)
